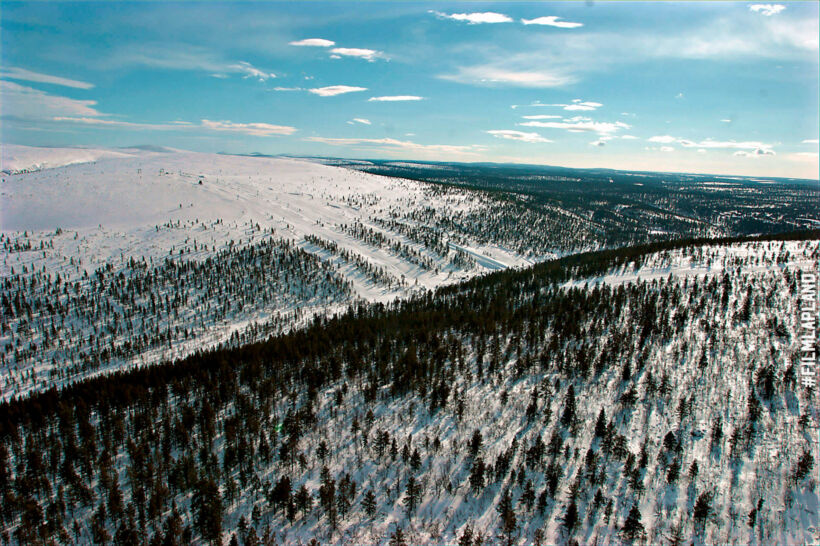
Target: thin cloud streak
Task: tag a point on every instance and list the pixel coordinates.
(313, 42)
(252, 129)
(392, 143)
(333, 90)
(552, 21)
(518, 135)
(580, 125)
(395, 98)
(475, 18)
(498, 76)
(15, 73)
(367, 54)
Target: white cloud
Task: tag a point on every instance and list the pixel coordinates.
(493, 75)
(600, 143)
(368, 54)
(733, 38)
(362, 121)
(14, 73)
(664, 139)
(542, 116)
(731, 144)
(518, 135)
(767, 9)
(475, 18)
(726, 121)
(392, 145)
(629, 137)
(810, 141)
(575, 105)
(288, 89)
(118, 124)
(580, 125)
(314, 42)
(756, 153)
(552, 21)
(186, 58)
(253, 129)
(26, 102)
(583, 106)
(667, 149)
(250, 71)
(333, 90)
(757, 148)
(395, 98)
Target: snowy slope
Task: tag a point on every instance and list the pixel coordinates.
(15, 158)
(689, 373)
(104, 208)
(709, 261)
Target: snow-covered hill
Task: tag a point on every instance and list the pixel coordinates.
(124, 213)
(652, 403)
(21, 159)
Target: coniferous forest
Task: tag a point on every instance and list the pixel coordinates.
(377, 273)
(561, 403)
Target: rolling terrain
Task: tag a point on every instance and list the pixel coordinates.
(126, 257)
(639, 395)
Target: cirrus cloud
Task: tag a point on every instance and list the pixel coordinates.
(759, 148)
(475, 18)
(395, 98)
(250, 71)
(580, 125)
(253, 129)
(518, 135)
(489, 75)
(333, 90)
(405, 147)
(29, 103)
(767, 9)
(551, 20)
(313, 42)
(14, 73)
(756, 153)
(367, 54)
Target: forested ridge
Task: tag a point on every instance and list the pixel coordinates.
(508, 408)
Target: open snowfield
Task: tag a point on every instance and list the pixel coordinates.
(71, 212)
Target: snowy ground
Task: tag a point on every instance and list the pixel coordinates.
(709, 261)
(73, 211)
(720, 389)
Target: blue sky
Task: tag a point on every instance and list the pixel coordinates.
(698, 87)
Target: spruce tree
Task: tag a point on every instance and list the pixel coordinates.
(568, 416)
(508, 524)
(632, 528)
(369, 503)
(600, 424)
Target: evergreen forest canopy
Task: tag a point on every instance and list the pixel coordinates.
(554, 412)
